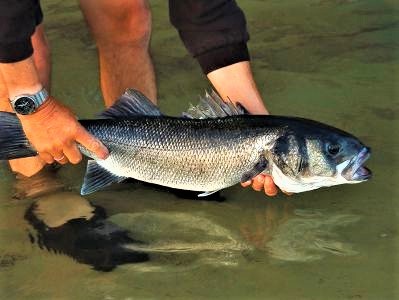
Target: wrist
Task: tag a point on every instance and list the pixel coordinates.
(27, 104)
(45, 111)
(24, 90)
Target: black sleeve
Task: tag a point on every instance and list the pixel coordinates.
(18, 19)
(214, 32)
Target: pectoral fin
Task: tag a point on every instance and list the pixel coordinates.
(97, 178)
(259, 167)
(204, 194)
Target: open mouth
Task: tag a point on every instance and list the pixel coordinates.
(355, 171)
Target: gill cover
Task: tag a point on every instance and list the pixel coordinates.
(290, 155)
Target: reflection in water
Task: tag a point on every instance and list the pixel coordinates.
(267, 224)
(298, 234)
(69, 224)
(310, 235)
(177, 239)
(42, 183)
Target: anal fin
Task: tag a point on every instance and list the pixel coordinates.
(258, 168)
(97, 178)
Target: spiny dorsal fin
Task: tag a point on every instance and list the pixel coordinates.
(131, 103)
(212, 106)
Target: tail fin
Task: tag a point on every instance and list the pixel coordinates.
(13, 142)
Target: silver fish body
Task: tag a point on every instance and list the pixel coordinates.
(189, 154)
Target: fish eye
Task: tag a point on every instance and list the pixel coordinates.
(334, 149)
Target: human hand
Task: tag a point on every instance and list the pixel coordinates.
(265, 183)
(262, 182)
(53, 130)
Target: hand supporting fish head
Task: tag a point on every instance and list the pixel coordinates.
(308, 157)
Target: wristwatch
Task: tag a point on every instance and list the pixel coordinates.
(28, 104)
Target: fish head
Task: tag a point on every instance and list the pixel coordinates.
(315, 155)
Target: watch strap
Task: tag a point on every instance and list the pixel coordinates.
(40, 97)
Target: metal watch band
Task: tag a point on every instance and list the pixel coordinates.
(40, 97)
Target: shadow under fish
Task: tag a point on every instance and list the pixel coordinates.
(84, 235)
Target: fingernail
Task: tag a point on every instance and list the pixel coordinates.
(271, 194)
(104, 154)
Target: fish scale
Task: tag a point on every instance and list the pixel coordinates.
(189, 154)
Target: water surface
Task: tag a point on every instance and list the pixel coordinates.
(335, 61)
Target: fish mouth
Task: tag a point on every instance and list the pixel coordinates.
(355, 171)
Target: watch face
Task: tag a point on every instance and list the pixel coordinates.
(24, 106)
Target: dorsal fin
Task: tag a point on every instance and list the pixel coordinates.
(131, 103)
(212, 106)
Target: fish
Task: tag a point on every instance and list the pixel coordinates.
(212, 146)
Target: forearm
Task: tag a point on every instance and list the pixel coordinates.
(215, 34)
(236, 82)
(20, 77)
(4, 102)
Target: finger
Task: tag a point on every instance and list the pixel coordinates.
(246, 183)
(46, 157)
(257, 182)
(73, 154)
(91, 143)
(59, 157)
(62, 161)
(269, 186)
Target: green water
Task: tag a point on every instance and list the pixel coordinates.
(331, 60)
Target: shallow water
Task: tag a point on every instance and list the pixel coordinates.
(331, 60)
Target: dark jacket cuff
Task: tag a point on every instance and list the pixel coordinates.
(223, 56)
(14, 52)
(18, 20)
